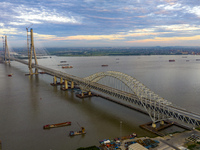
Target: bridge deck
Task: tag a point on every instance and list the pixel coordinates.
(168, 110)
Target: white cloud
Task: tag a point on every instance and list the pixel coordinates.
(22, 14)
(38, 15)
(176, 6)
(180, 27)
(5, 31)
(195, 10)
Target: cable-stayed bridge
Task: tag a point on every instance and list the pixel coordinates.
(158, 108)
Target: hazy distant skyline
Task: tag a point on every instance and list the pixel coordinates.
(90, 23)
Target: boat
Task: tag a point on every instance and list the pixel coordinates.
(73, 133)
(171, 60)
(48, 126)
(67, 67)
(197, 59)
(63, 64)
(10, 75)
(104, 65)
(42, 72)
(63, 61)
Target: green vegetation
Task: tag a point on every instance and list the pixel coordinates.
(123, 51)
(112, 51)
(198, 128)
(192, 146)
(88, 148)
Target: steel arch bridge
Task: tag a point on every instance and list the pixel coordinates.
(157, 107)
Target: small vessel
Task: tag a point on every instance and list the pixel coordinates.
(104, 65)
(10, 75)
(48, 126)
(63, 64)
(73, 133)
(63, 61)
(197, 59)
(42, 72)
(171, 60)
(67, 67)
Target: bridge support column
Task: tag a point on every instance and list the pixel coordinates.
(82, 94)
(6, 52)
(89, 93)
(72, 84)
(32, 50)
(61, 80)
(153, 125)
(54, 80)
(162, 122)
(65, 85)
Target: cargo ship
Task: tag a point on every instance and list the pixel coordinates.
(63, 61)
(73, 133)
(67, 67)
(48, 126)
(171, 60)
(63, 64)
(104, 65)
(10, 75)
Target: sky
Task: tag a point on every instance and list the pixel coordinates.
(101, 23)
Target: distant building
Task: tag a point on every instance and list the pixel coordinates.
(136, 146)
(184, 53)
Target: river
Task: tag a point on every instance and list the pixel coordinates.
(29, 102)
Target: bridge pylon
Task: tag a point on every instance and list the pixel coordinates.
(6, 50)
(32, 52)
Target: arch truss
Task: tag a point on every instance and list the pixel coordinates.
(143, 93)
(157, 107)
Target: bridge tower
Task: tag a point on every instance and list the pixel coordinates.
(32, 52)
(6, 50)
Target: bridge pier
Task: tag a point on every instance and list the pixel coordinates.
(54, 81)
(153, 125)
(162, 122)
(66, 87)
(72, 84)
(85, 94)
(61, 81)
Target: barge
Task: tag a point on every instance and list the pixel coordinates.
(73, 133)
(10, 75)
(63, 61)
(67, 67)
(48, 126)
(104, 65)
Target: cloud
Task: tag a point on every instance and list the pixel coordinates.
(180, 27)
(5, 31)
(21, 14)
(194, 10)
(172, 7)
(43, 36)
(119, 36)
(167, 39)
